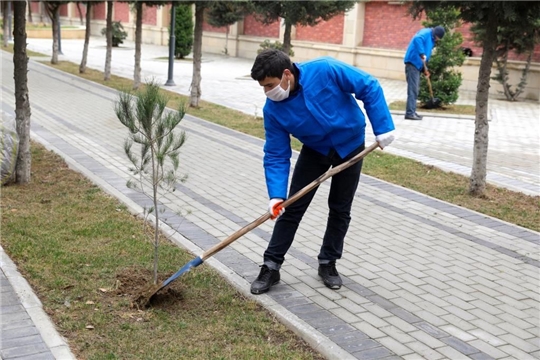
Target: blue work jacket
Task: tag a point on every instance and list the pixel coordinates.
(422, 43)
(323, 114)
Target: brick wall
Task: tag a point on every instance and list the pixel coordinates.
(255, 28)
(100, 11)
(388, 26)
(63, 10)
(121, 12)
(330, 31)
(35, 8)
(149, 15)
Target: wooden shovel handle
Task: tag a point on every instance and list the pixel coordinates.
(331, 172)
(428, 80)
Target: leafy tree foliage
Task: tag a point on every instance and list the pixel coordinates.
(305, 13)
(183, 31)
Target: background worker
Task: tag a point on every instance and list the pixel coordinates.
(313, 102)
(416, 58)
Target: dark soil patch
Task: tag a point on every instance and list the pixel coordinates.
(136, 284)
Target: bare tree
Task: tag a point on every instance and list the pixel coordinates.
(80, 12)
(138, 40)
(22, 100)
(108, 34)
(195, 95)
(30, 20)
(52, 8)
(82, 67)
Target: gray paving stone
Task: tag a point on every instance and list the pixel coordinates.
(18, 332)
(375, 353)
(459, 345)
(360, 345)
(41, 356)
(27, 350)
(6, 325)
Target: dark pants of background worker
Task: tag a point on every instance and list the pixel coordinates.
(412, 74)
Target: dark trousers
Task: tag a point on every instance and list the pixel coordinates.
(310, 166)
(412, 74)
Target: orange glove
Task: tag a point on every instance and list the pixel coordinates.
(275, 209)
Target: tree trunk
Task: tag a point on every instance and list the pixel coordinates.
(82, 67)
(138, 40)
(227, 40)
(30, 20)
(287, 38)
(52, 9)
(197, 55)
(80, 12)
(5, 21)
(477, 181)
(108, 55)
(22, 101)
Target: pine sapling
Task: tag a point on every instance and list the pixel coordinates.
(152, 147)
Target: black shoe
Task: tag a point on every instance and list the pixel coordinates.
(420, 116)
(330, 276)
(413, 117)
(265, 280)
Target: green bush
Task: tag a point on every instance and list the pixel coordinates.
(183, 31)
(119, 35)
(447, 56)
(266, 44)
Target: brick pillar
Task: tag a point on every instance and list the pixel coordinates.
(353, 29)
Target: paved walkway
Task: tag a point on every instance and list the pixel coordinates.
(433, 281)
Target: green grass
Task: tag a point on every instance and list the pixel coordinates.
(451, 109)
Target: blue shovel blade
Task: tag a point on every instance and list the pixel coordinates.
(193, 263)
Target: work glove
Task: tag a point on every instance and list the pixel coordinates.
(275, 209)
(385, 139)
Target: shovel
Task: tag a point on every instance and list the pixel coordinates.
(433, 103)
(224, 243)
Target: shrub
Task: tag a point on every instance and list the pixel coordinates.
(183, 31)
(266, 44)
(119, 35)
(447, 56)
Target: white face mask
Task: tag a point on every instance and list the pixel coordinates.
(278, 93)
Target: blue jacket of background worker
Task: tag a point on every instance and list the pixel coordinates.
(421, 44)
(323, 114)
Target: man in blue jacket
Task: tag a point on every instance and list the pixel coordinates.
(313, 102)
(416, 57)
